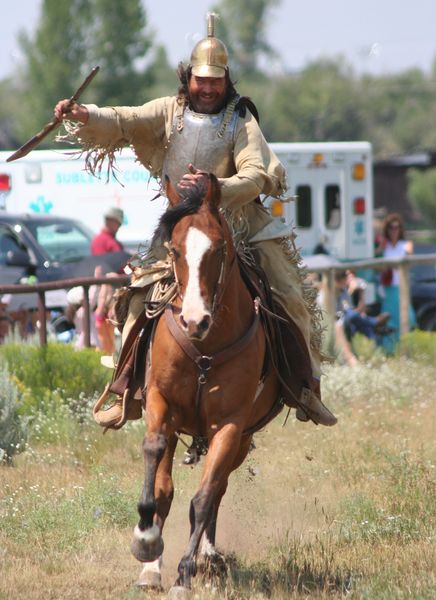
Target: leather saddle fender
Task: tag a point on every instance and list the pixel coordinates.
(286, 345)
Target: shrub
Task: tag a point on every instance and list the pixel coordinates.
(419, 345)
(41, 370)
(13, 428)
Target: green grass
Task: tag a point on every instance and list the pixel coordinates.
(314, 512)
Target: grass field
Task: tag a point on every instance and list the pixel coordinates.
(314, 512)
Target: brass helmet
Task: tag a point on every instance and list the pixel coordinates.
(209, 57)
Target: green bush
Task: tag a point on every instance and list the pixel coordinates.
(13, 428)
(41, 371)
(419, 345)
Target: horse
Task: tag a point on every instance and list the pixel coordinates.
(205, 378)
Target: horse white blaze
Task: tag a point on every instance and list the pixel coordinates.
(194, 308)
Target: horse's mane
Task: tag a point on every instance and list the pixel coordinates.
(191, 201)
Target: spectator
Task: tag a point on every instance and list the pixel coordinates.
(101, 328)
(5, 319)
(76, 314)
(106, 241)
(393, 245)
(352, 319)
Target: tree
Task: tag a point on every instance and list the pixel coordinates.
(422, 191)
(118, 41)
(242, 27)
(321, 103)
(71, 38)
(53, 61)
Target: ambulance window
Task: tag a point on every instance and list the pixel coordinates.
(332, 197)
(304, 206)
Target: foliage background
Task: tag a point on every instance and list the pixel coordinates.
(324, 101)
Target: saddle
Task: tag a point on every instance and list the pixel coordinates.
(286, 353)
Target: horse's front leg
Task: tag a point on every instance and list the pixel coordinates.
(221, 458)
(147, 542)
(150, 576)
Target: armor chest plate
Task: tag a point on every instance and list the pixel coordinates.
(206, 141)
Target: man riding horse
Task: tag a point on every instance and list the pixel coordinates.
(208, 127)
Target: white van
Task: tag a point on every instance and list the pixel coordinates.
(333, 206)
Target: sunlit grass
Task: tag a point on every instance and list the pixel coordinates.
(313, 512)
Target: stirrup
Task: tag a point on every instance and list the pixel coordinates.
(119, 412)
(312, 408)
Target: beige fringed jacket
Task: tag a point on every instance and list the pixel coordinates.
(147, 129)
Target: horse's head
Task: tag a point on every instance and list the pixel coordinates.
(198, 242)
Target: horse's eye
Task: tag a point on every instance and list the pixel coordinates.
(175, 253)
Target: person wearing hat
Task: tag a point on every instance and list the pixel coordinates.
(106, 241)
(208, 127)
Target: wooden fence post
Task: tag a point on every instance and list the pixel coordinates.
(86, 317)
(42, 314)
(404, 298)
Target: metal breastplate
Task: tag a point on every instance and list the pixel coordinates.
(206, 141)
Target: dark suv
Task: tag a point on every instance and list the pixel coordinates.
(423, 291)
(48, 248)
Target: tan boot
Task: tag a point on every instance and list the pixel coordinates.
(124, 408)
(314, 408)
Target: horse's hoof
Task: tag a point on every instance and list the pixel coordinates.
(150, 581)
(178, 592)
(147, 545)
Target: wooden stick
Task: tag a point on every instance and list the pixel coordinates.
(53, 124)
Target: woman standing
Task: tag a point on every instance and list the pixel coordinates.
(394, 245)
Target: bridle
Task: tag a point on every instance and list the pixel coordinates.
(223, 276)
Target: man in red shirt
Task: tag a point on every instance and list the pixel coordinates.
(105, 241)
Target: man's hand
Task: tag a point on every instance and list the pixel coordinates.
(75, 112)
(190, 179)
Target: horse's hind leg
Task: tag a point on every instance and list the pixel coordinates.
(225, 454)
(157, 494)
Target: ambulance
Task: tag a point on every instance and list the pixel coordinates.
(55, 182)
(329, 201)
(331, 197)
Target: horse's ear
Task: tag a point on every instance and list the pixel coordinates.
(213, 196)
(171, 192)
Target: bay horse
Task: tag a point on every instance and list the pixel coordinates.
(204, 378)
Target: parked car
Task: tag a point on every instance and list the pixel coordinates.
(48, 248)
(423, 291)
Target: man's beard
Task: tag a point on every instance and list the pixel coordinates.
(207, 108)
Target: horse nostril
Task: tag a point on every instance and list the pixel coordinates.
(204, 324)
(183, 322)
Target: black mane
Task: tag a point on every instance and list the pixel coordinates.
(191, 200)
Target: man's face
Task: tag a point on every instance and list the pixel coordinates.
(112, 225)
(207, 94)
